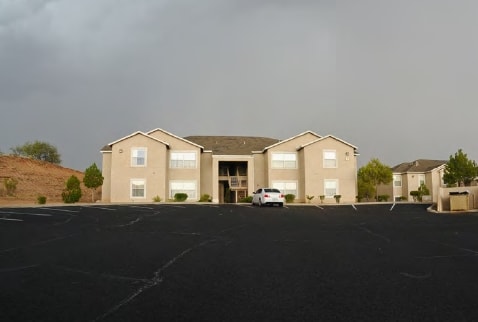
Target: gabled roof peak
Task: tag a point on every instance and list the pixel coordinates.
(292, 138)
(175, 136)
(138, 133)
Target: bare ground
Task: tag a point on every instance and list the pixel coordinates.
(36, 178)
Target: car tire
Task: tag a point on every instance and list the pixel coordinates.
(281, 205)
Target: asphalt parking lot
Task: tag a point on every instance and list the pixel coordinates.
(207, 262)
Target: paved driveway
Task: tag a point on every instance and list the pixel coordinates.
(205, 262)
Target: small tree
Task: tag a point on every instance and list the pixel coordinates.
(373, 174)
(72, 193)
(460, 170)
(38, 150)
(422, 191)
(93, 179)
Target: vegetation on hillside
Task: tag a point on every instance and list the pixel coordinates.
(38, 150)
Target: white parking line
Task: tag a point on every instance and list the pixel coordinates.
(11, 219)
(57, 209)
(23, 213)
(142, 207)
(102, 208)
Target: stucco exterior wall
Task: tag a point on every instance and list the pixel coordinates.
(106, 173)
(122, 172)
(316, 174)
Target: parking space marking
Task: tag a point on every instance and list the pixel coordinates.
(23, 213)
(155, 280)
(141, 207)
(57, 209)
(11, 219)
(102, 208)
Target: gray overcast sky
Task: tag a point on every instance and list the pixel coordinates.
(398, 79)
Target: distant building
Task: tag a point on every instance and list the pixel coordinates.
(409, 176)
(145, 165)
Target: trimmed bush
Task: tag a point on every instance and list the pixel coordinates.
(383, 197)
(247, 199)
(415, 194)
(337, 198)
(41, 200)
(205, 198)
(180, 196)
(289, 198)
(72, 193)
(156, 199)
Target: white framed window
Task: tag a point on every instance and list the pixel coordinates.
(187, 187)
(138, 188)
(138, 157)
(284, 161)
(183, 160)
(287, 187)
(397, 180)
(421, 179)
(331, 187)
(330, 159)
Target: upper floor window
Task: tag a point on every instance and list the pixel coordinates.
(284, 161)
(138, 157)
(330, 159)
(397, 180)
(183, 160)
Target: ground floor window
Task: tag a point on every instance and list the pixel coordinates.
(287, 187)
(138, 188)
(331, 188)
(187, 187)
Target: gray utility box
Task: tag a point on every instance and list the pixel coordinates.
(459, 201)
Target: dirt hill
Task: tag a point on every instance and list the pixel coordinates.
(36, 178)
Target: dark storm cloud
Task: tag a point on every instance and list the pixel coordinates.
(80, 74)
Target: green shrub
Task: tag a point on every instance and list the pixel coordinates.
(247, 199)
(337, 198)
(10, 185)
(383, 197)
(289, 197)
(321, 197)
(180, 196)
(156, 199)
(309, 198)
(41, 200)
(72, 193)
(205, 198)
(415, 194)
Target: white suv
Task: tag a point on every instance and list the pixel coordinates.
(268, 196)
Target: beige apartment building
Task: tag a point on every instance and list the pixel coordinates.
(145, 165)
(408, 176)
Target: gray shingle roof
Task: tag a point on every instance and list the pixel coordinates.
(420, 165)
(232, 145)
